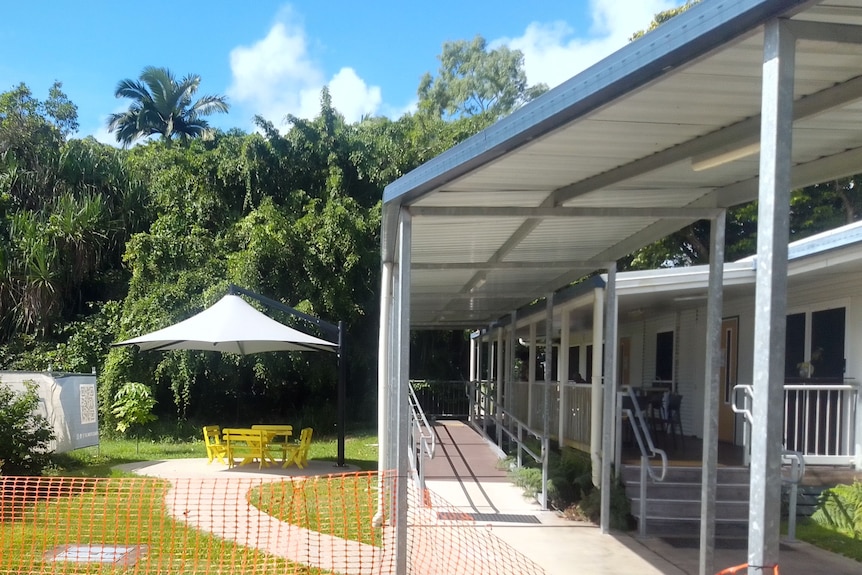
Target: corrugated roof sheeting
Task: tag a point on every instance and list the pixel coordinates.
(624, 135)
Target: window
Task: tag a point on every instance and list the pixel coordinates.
(664, 356)
(816, 338)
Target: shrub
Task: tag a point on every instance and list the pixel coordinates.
(840, 508)
(24, 434)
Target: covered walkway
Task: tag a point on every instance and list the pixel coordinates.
(465, 472)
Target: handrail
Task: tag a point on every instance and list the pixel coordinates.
(643, 437)
(648, 450)
(797, 471)
(519, 441)
(796, 459)
(424, 438)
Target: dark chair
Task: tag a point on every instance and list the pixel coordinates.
(671, 419)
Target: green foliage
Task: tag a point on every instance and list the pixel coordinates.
(133, 406)
(620, 513)
(663, 17)
(840, 509)
(475, 81)
(24, 434)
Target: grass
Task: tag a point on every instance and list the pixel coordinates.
(339, 506)
(121, 512)
(360, 450)
(828, 539)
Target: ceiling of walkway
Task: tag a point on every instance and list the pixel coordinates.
(653, 138)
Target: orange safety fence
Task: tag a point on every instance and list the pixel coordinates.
(308, 525)
(744, 567)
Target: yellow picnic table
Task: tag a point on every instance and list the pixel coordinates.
(277, 437)
(249, 445)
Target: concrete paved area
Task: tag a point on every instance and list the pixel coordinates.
(563, 547)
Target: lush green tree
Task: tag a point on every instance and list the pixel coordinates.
(24, 434)
(163, 106)
(475, 81)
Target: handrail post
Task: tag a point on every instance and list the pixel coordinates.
(642, 530)
(520, 442)
(545, 447)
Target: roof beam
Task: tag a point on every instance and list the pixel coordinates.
(825, 32)
(512, 265)
(561, 212)
(740, 134)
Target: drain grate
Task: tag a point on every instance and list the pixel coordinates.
(125, 555)
(498, 517)
(720, 543)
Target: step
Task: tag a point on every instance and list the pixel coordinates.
(674, 490)
(686, 509)
(724, 529)
(737, 475)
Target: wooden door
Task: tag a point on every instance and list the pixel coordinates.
(727, 378)
(625, 361)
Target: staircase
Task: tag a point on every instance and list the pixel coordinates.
(673, 505)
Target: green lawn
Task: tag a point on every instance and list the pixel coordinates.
(339, 506)
(828, 539)
(120, 512)
(360, 449)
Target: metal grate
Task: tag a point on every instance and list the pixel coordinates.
(125, 555)
(498, 517)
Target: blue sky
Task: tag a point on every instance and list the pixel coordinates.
(272, 57)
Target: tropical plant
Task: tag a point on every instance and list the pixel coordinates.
(133, 407)
(840, 508)
(163, 106)
(24, 433)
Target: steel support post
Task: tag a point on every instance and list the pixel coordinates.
(509, 387)
(711, 396)
(531, 376)
(385, 465)
(610, 396)
(498, 402)
(563, 376)
(596, 386)
(401, 379)
(546, 398)
(770, 298)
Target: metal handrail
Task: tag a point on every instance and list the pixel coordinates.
(795, 459)
(648, 450)
(519, 441)
(424, 438)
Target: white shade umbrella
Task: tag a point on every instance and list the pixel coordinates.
(232, 326)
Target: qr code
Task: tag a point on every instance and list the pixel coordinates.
(88, 403)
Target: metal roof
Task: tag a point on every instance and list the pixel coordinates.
(621, 155)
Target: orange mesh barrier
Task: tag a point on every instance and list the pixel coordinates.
(308, 525)
(744, 567)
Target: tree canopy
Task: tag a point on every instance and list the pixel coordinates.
(163, 106)
(475, 81)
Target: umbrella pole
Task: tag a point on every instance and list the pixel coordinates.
(342, 391)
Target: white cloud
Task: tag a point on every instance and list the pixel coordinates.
(352, 96)
(277, 76)
(554, 52)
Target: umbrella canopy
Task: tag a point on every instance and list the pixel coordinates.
(232, 326)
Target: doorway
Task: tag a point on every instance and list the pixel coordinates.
(727, 378)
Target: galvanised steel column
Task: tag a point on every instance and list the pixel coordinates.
(498, 403)
(770, 298)
(610, 396)
(401, 379)
(508, 390)
(711, 396)
(384, 466)
(596, 386)
(479, 380)
(531, 376)
(563, 375)
(546, 398)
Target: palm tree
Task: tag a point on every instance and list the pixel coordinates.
(161, 105)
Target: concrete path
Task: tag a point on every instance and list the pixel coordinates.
(473, 485)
